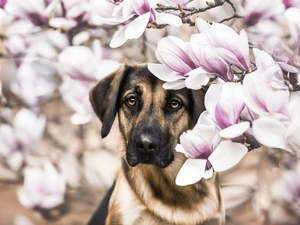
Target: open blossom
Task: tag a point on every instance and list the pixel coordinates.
(43, 188)
(224, 102)
(230, 45)
(264, 89)
(284, 134)
(84, 63)
(135, 15)
(256, 11)
(29, 128)
(205, 153)
(175, 65)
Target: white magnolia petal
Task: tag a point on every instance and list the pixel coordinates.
(293, 133)
(191, 172)
(270, 132)
(234, 130)
(196, 81)
(208, 173)
(211, 98)
(287, 67)
(175, 85)
(136, 28)
(163, 72)
(166, 18)
(118, 38)
(80, 119)
(226, 155)
(180, 149)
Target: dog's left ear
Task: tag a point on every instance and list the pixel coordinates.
(104, 97)
(198, 96)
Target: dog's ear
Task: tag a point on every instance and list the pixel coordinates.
(104, 97)
(198, 97)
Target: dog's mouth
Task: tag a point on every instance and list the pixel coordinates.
(161, 159)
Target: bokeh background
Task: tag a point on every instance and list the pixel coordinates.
(54, 166)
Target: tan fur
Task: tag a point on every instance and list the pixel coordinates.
(147, 194)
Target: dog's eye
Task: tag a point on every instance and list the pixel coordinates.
(175, 104)
(131, 101)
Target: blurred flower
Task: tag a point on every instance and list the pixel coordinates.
(34, 80)
(2, 3)
(256, 11)
(29, 127)
(205, 153)
(83, 63)
(136, 15)
(17, 44)
(32, 10)
(10, 147)
(230, 45)
(287, 188)
(43, 188)
(76, 94)
(291, 3)
(22, 220)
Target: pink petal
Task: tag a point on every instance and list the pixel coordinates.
(277, 102)
(164, 73)
(118, 38)
(191, 172)
(196, 81)
(175, 85)
(235, 130)
(166, 18)
(270, 132)
(211, 98)
(173, 62)
(226, 155)
(136, 28)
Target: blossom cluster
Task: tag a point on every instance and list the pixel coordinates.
(60, 48)
(256, 110)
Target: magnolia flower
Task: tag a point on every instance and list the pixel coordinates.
(287, 188)
(283, 134)
(10, 147)
(43, 188)
(172, 52)
(208, 59)
(83, 63)
(264, 89)
(33, 80)
(32, 10)
(76, 94)
(224, 102)
(291, 3)
(136, 14)
(29, 128)
(205, 153)
(255, 11)
(232, 47)
(17, 44)
(2, 3)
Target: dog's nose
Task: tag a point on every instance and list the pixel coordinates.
(146, 144)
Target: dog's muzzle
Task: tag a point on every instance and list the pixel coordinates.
(147, 145)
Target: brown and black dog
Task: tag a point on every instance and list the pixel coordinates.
(151, 119)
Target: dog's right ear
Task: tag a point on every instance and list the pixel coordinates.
(104, 97)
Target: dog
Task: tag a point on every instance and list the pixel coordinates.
(151, 120)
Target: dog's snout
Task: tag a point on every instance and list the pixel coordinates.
(146, 144)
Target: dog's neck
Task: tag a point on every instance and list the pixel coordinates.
(159, 191)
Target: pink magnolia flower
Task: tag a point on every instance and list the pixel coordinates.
(32, 10)
(208, 59)
(264, 89)
(10, 147)
(232, 47)
(136, 15)
(205, 153)
(76, 95)
(284, 134)
(255, 11)
(84, 63)
(224, 102)
(43, 188)
(29, 128)
(172, 52)
(2, 3)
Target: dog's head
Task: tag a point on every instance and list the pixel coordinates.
(151, 119)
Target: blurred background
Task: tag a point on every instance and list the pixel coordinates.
(54, 166)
